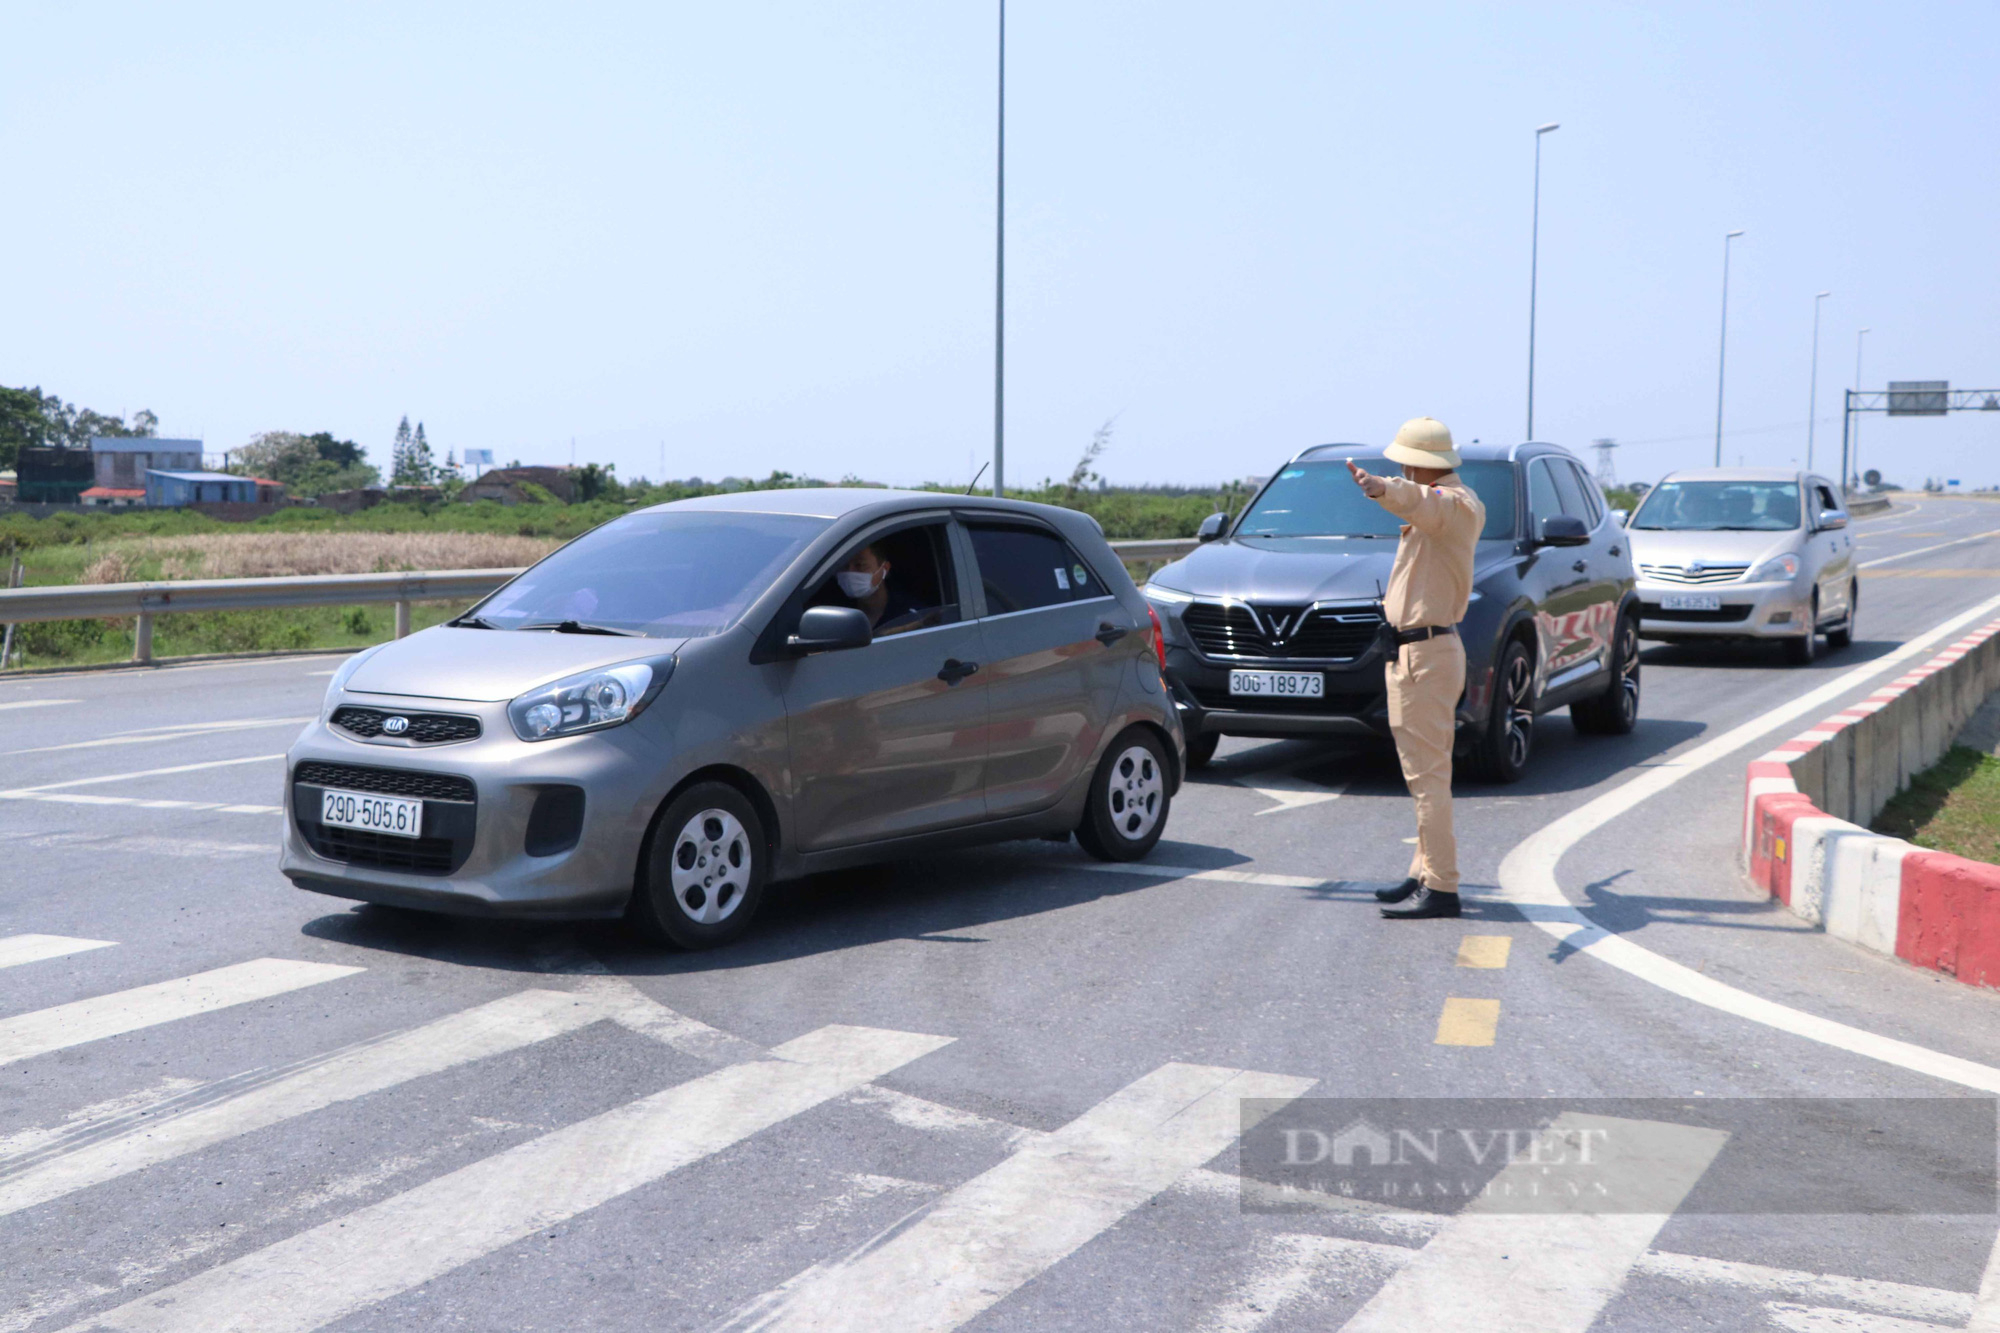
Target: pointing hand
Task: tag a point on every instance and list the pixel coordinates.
(1371, 485)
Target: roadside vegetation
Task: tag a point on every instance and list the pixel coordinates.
(1953, 806)
(145, 545)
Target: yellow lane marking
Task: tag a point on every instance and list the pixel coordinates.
(1484, 950)
(1468, 1022)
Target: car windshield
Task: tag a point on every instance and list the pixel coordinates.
(1319, 499)
(663, 575)
(1720, 506)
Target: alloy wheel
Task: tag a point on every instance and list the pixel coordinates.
(1135, 793)
(1628, 670)
(711, 867)
(1519, 689)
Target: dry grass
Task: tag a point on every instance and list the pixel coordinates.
(275, 554)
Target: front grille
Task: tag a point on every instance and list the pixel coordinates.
(1689, 575)
(420, 856)
(424, 728)
(1724, 616)
(387, 781)
(1288, 632)
(1345, 705)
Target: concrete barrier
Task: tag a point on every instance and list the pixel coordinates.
(1808, 802)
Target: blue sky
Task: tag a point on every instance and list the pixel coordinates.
(759, 235)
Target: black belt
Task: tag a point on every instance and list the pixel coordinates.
(1404, 636)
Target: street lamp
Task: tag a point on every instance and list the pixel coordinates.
(1534, 260)
(1000, 275)
(1859, 335)
(1812, 408)
(1722, 356)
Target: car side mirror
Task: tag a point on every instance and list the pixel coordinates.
(825, 629)
(1831, 520)
(1211, 527)
(1563, 530)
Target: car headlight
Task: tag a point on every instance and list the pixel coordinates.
(346, 670)
(589, 700)
(1781, 570)
(1157, 593)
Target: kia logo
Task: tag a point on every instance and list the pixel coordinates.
(395, 726)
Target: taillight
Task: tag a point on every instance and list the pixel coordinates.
(1159, 637)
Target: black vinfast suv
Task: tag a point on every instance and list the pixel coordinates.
(1271, 623)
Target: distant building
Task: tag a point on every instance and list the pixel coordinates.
(120, 463)
(113, 497)
(54, 476)
(174, 490)
(508, 485)
(9, 483)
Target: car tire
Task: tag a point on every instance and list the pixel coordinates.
(1616, 711)
(1802, 650)
(703, 875)
(1501, 753)
(1844, 636)
(1126, 810)
(1201, 749)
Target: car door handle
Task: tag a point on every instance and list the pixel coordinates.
(1108, 633)
(1617, 551)
(954, 670)
(1580, 565)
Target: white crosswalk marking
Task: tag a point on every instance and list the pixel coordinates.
(18, 949)
(506, 1024)
(103, 1016)
(368, 1256)
(990, 1236)
(1548, 1271)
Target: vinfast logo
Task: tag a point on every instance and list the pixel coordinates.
(395, 726)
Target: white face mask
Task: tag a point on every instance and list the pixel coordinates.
(856, 585)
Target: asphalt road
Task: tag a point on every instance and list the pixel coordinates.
(997, 1090)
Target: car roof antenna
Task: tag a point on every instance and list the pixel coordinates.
(977, 475)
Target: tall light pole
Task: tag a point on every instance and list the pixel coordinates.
(1722, 355)
(1534, 262)
(1859, 335)
(1000, 275)
(1812, 408)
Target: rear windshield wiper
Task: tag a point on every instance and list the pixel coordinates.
(581, 627)
(472, 622)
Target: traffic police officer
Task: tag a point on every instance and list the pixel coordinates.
(1428, 589)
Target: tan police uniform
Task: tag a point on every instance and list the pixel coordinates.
(1429, 587)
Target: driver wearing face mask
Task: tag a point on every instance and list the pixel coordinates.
(865, 582)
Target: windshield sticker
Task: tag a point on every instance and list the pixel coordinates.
(1080, 574)
(1290, 473)
(1062, 578)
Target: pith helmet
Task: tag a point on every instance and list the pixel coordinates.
(1423, 442)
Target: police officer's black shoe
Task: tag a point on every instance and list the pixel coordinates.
(1400, 892)
(1426, 902)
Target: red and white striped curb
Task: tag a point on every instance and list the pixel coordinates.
(1932, 909)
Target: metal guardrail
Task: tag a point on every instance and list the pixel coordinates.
(89, 601)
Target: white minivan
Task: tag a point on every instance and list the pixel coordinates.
(1745, 553)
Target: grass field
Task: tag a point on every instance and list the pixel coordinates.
(1953, 807)
(146, 545)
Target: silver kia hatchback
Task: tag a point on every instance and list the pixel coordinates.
(677, 708)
